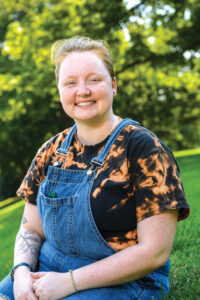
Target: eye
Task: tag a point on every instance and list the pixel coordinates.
(94, 79)
(70, 83)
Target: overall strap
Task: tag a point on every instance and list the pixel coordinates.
(100, 158)
(63, 150)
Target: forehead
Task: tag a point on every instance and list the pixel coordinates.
(82, 62)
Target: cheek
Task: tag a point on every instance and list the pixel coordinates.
(66, 96)
(103, 91)
(66, 103)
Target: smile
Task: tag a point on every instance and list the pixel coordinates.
(85, 103)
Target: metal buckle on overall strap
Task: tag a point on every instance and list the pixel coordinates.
(61, 156)
(94, 164)
(97, 163)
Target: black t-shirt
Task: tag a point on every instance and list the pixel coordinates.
(139, 178)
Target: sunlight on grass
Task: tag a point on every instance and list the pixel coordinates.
(8, 201)
(10, 208)
(186, 152)
(10, 218)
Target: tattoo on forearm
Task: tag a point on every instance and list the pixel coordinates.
(28, 241)
(24, 220)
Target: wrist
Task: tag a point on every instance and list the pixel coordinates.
(20, 268)
(74, 288)
(20, 271)
(67, 284)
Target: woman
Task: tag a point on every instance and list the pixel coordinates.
(102, 198)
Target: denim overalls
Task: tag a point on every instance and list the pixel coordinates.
(72, 237)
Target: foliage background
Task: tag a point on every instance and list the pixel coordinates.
(156, 53)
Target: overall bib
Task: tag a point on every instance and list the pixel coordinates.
(72, 237)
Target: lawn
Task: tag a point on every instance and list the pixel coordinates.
(10, 218)
(185, 262)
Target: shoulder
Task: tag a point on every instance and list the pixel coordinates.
(38, 168)
(142, 140)
(141, 143)
(51, 145)
(47, 151)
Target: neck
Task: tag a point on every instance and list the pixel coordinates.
(95, 132)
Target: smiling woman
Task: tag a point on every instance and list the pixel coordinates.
(86, 89)
(102, 198)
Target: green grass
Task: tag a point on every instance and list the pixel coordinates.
(10, 218)
(8, 201)
(187, 152)
(185, 263)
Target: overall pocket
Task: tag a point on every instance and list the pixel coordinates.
(57, 220)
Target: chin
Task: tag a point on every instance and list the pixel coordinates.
(85, 117)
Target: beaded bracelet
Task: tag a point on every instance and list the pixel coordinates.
(71, 276)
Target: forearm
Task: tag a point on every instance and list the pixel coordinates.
(155, 240)
(27, 247)
(29, 238)
(127, 265)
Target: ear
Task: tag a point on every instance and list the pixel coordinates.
(114, 86)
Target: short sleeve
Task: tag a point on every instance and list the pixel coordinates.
(158, 185)
(29, 187)
(37, 172)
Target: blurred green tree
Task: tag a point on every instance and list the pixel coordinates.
(155, 47)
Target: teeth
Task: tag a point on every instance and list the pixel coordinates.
(85, 103)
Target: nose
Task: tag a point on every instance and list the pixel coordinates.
(83, 90)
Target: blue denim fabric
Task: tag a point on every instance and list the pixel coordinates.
(72, 237)
(122, 292)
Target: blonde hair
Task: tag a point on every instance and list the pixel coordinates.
(62, 48)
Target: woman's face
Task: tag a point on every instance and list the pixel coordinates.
(85, 87)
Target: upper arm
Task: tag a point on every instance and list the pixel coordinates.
(31, 219)
(157, 232)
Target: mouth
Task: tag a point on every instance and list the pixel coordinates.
(85, 103)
